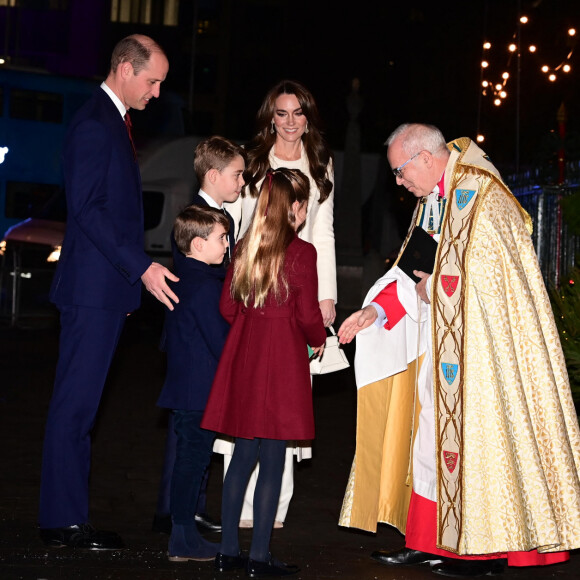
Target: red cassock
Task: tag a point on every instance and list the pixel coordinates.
(262, 385)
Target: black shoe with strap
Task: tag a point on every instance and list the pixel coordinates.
(82, 536)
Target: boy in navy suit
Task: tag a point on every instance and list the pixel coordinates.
(195, 333)
(219, 166)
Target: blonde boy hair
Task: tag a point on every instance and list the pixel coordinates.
(215, 153)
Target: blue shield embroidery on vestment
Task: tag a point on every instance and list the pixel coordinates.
(449, 371)
(463, 197)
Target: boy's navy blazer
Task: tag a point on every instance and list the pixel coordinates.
(195, 333)
(103, 254)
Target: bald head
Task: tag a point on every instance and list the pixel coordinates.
(135, 49)
(138, 67)
(418, 154)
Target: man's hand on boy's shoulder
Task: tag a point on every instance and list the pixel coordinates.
(155, 282)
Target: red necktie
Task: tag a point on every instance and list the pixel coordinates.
(129, 125)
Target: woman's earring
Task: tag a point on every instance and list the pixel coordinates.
(272, 130)
(306, 130)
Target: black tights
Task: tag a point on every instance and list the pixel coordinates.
(247, 452)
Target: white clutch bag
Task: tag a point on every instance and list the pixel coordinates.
(332, 359)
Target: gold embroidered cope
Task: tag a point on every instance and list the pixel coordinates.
(508, 442)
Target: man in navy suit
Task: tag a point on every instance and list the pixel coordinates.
(97, 282)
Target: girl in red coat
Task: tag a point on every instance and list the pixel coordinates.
(261, 394)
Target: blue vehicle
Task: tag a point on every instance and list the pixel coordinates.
(35, 110)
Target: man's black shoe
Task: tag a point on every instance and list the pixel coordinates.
(205, 524)
(469, 568)
(225, 563)
(83, 537)
(161, 524)
(405, 557)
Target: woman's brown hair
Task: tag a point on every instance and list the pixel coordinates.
(258, 149)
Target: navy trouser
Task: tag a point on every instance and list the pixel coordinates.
(88, 341)
(164, 493)
(193, 454)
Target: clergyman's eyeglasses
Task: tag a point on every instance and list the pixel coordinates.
(398, 171)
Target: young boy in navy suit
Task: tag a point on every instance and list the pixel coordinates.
(219, 166)
(195, 333)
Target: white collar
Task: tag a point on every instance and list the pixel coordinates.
(210, 200)
(114, 98)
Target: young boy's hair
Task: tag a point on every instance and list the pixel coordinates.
(215, 153)
(196, 222)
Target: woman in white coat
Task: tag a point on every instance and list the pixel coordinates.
(289, 136)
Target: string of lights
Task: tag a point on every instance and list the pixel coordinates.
(494, 85)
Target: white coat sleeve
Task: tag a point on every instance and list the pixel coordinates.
(323, 241)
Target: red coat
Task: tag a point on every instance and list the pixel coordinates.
(262, 385)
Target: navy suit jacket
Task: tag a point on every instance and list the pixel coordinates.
(103, 254)
(195, 333)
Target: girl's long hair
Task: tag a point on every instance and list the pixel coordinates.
(258, 149)
(259, 263)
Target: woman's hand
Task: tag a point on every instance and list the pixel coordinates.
(328, 311)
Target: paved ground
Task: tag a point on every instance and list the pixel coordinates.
(128, 450)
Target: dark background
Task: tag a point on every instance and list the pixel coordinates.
(417, 61)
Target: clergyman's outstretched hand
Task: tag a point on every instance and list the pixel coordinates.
(356, 322)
